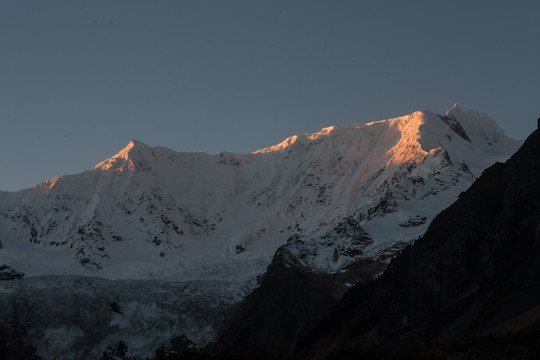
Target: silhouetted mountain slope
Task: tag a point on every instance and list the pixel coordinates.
(290, 302)
(475, 273)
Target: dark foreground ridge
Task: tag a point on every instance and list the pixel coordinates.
(290, 301)
(469, 288)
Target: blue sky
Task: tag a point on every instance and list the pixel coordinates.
(79, 79)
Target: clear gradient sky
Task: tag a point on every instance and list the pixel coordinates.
(79, 79)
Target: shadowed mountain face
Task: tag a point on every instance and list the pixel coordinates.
(473, 279)
(293, 298)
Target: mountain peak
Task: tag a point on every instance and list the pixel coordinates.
(133, 143)
(299, 138)
(455, 108)
(131, 146)
(409, 138)
(126, 159)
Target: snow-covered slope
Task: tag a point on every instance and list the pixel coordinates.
(153, 213)
(145, 209)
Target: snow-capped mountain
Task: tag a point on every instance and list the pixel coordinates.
(153, 213)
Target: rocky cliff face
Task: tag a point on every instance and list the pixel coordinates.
(469, 287)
